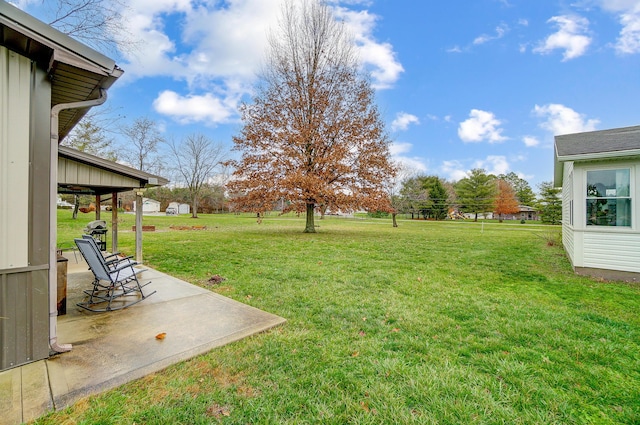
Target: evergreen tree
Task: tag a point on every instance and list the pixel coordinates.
(476, 193)
(550, 203)
(437, 196)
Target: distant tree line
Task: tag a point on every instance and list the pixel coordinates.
(431, 197)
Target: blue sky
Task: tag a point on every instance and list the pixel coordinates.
(461, 84)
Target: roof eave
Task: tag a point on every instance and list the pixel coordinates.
(598, 155)
(44, 34)
(146, 179)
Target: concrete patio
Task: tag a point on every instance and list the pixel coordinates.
(110, 349)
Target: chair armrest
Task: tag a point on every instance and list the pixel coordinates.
(124, 266)
(117, 260)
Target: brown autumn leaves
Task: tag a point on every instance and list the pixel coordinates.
(313, 137)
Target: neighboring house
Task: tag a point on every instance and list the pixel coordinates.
(524, 213)
(149, 206)
(48, 82)
(599, 173)
(481, 216)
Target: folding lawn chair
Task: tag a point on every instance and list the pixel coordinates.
(113, 259)
(115, 282)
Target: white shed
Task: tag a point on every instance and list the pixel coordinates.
(149, 205)
(180, 208)
(599, 173)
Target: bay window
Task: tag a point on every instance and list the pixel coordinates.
(608, 197)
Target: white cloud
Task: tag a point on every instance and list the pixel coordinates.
(21, 4)
(192, 108)
(629, 40)
(570, 37)
(454, 170)
(501, 30)
(560, 119)
(629, 15)
(480, 126)
(493, 164)
(378, 58)
(530, 141)
(413, 164)
(403, 120)
(397, 149)
(217, 48)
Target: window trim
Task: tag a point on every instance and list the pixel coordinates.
(631, 196)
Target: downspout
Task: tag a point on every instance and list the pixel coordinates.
(53, 221)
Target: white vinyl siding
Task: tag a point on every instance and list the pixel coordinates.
(613, 251)
(567, 210)
(15, 94)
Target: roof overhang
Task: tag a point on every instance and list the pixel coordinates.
(77, 72)
(558, 166)
(135, 178)
(600, 145)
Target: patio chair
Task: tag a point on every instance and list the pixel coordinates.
(114, 287)
(112, 259)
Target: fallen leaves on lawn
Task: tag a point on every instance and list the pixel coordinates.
(218, 411)
(215, 279)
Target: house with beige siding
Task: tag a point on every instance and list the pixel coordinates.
(599, 172)
(48, 82)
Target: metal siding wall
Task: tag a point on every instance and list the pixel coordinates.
(24, 292)
(71, 172)
(15, 95)
(24, 315)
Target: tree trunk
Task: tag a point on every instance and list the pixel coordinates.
(194, 207)
(393, 217)
(476, 219)
(310, 228)
(76, 207)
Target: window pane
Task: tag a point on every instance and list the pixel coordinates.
(608, 183)
(609, 212)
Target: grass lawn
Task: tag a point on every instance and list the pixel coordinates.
(428, 323)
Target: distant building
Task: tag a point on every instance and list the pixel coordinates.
(180, 208)
(149, 206)
(524, 213)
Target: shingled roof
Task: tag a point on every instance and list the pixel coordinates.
(595, 145)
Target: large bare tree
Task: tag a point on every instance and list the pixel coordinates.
(143, 141)
(197, 160)
(312, 136)
(98, 23)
